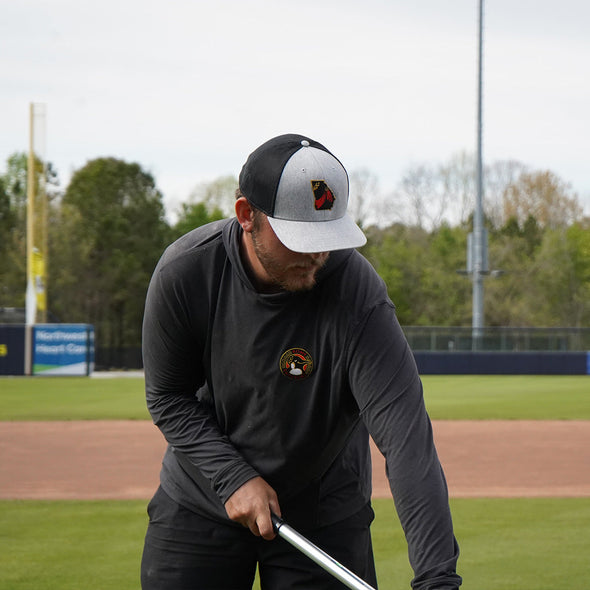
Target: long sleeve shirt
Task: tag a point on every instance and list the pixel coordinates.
(289, 386)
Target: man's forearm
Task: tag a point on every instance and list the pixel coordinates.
(189, 427)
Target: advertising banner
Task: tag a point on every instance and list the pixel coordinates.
(63, 349)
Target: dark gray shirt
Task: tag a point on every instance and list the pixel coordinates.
(288, 386)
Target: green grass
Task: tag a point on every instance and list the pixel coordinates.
(71, 545)
(72, 398)
(462, 397)
(524, 543)
(508, 397)
(512, 544)
(520, 544)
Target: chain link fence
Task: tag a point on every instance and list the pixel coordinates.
(508, 339)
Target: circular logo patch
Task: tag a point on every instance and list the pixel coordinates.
(296, 363)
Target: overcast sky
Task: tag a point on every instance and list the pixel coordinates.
(188, 88)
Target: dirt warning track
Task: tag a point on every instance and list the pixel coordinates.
(121, 459)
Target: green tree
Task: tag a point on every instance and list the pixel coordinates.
(15, 182)
(13, 220)
(110, 234)
(507, 300)
(562, 279)
(7, 220)
(396, 253)
(208, 202)
(445, 294)
(194, 215)
(420, 271)
(13, 258)
(220, 195)
(532, 234)
(12, 279)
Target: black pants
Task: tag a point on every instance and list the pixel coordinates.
(184, 551)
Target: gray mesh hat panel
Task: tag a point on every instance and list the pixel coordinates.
(261, 174)
(313, 187)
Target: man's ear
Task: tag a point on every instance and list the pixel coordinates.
(244, 214)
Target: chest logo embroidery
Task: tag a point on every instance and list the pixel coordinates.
(296, 364)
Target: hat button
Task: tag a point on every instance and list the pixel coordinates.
(305, 143)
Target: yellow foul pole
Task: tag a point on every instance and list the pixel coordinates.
(36, 296)
(31, 300)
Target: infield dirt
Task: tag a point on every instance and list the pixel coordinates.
(121, 459)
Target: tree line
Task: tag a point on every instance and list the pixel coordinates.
(108, 228)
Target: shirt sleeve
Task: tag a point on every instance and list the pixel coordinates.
(172, 354)
(388, 390)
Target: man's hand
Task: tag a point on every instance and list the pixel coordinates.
(251, 505)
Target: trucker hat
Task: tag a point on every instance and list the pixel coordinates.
(303, 190)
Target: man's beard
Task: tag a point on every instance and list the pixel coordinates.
(300, 276)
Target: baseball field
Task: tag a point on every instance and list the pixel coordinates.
(79, 458)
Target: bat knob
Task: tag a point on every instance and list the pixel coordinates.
(277, 522)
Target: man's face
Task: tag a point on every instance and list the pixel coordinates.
(288, 270)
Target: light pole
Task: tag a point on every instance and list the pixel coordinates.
(479, 240)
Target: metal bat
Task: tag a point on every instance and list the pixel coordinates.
(318, 556)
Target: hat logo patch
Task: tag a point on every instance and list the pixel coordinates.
(296, 364)
(324, 197)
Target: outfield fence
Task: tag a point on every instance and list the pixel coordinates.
(442, 350)
(437, 349)
(497, 339)
(503, 363)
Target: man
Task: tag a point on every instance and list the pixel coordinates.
(271, 351)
